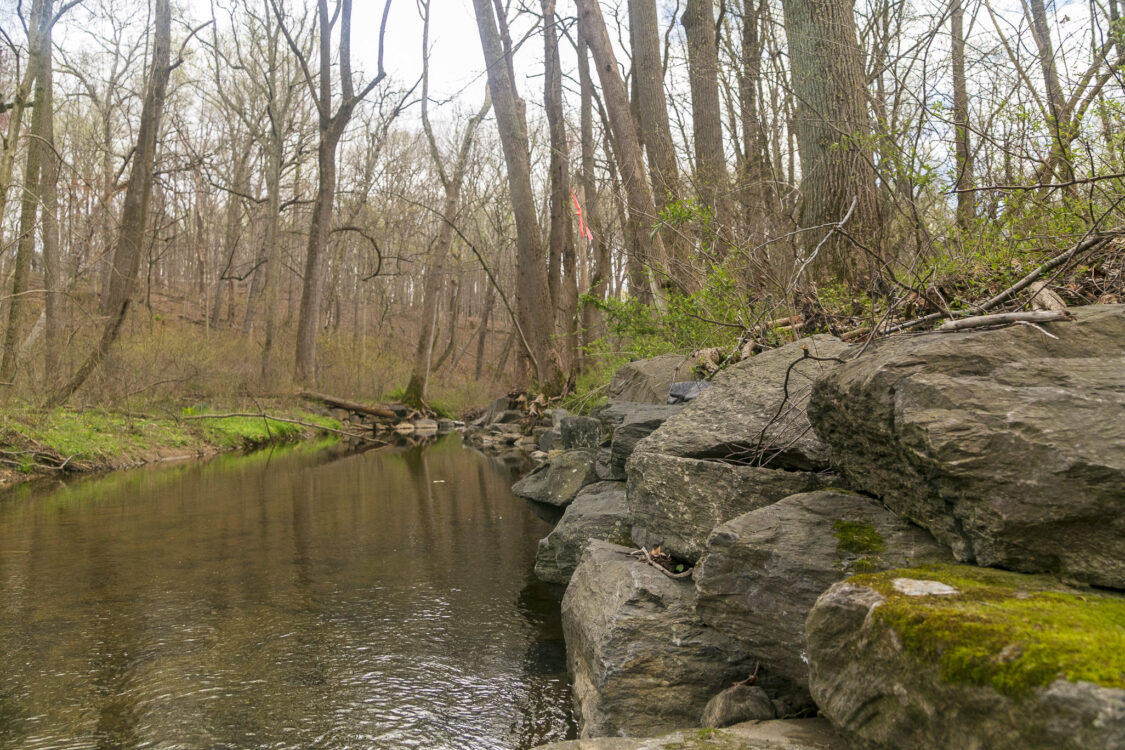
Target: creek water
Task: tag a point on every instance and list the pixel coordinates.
(302, 598)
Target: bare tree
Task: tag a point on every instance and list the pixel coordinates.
(134, 219)
(331, 125)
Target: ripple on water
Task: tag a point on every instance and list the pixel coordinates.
(280, 602)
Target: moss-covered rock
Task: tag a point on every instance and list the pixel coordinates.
(1008, 445)
(763, 571)
(958, 656)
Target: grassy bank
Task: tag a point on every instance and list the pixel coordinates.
(35, 443)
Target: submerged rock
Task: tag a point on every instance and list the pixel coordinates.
(557, 482)
(745, 415)
(676, 502)
(793, 734)
(1008, 662)
(1008, 444)
(641, 661)
(598, 512)
(763, 571)
(647, 380)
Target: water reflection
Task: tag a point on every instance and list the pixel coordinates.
(382, 600)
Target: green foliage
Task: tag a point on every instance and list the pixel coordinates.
(1009, 631)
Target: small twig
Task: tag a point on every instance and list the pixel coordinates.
(1043, 331)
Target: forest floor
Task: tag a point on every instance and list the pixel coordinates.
(68, 441)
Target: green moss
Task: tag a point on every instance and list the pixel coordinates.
(857, 538)
(1005, 630)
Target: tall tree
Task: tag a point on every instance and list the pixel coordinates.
(833, 133)
(706, 117)
(134, 217)
(534, 317)
(331, 124)
(562, 264)
(966, 198)
(39, 52)
(451, 182)
(649, 247)
(652, 110)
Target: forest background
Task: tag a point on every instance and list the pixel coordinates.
(438, 201)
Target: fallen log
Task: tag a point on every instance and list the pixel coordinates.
(340, 403)
(980, 321)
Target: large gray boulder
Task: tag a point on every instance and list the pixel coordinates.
(630, 423)
(642, 663)
(1007, 444)
(647, 380)
(580, 432)
(676, 502)
(763, 571)
(746, 416)
(958, 657)
(556, 483)
(598, 512)
(793, 734)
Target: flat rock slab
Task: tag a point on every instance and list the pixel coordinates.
(556, 483)
(754, 411)
(598, 512)
(642, 662)
(763, 571)
(790, 734)
(648, 380)
(676, 502)
(1009, 662)
(1007, 444)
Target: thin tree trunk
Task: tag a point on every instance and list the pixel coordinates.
(134, 218)
(29, 202)
(966, 199)
(591, 314)
(642, 210)
(531, 275)
(482, 338)
(562, 259)
(707, 121)
(652, 108)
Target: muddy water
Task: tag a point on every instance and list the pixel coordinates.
(288, 600)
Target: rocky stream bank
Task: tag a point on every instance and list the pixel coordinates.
(915, 544)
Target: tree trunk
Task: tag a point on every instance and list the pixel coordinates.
(966, 199)
(642, 210)
(134, 218)
(591, 314)
(29, 202)
(707, 121)
(652, 108)
(531, 273)
(833, 134)
(562, 255)
(760, 205)
(49, 193)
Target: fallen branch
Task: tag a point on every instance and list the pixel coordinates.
(340, 403)
(355, 435)
(1089, 243)
(980, 321)
(643, 555)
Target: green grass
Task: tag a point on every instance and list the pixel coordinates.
(95, 439)
(1006, 630)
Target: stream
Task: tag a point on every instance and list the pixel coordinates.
(294, 598)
